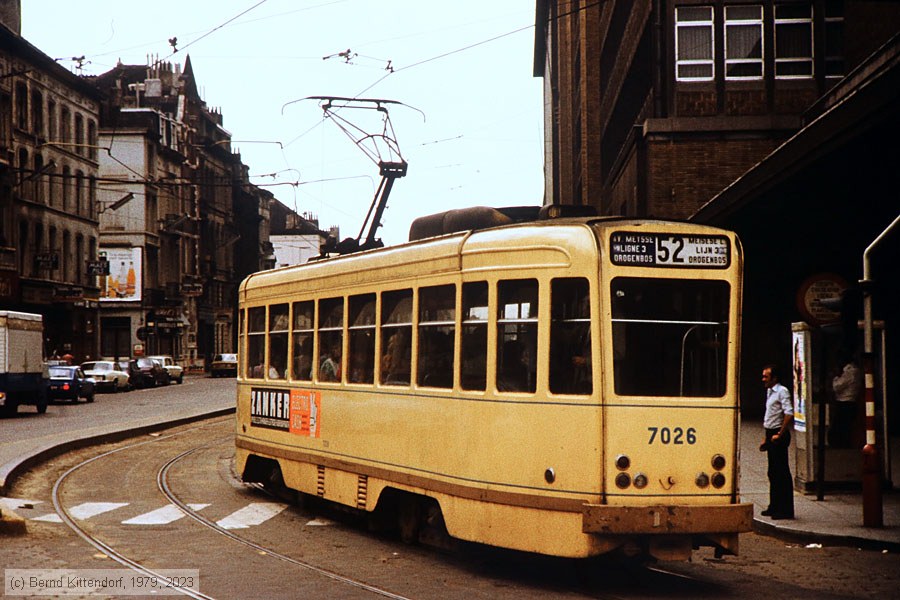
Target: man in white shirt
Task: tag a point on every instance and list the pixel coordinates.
(777, 421)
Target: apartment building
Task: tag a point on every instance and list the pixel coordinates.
(49, 167)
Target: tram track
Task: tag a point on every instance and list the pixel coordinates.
(163, 484)
(171, 468)
(102, 546)
(162, 481)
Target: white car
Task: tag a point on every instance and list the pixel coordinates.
(175, 371)
(106, 375)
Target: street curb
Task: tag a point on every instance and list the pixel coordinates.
(818, 537)
(11, 524)
(16, 467)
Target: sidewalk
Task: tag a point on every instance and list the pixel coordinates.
(836, 520)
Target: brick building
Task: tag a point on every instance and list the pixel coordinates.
(775, 119)
(653, 107)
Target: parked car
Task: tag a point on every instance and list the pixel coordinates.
(129, 367)
(107, 375)
(69, 383)
(176, 372)
(148, 372)
(223, 365)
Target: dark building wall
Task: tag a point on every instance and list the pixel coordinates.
(684, 173)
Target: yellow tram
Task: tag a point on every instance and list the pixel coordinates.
(561, 386)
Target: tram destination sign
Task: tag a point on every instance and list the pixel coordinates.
(639, 249)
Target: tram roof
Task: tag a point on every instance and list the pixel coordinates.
(443, 253)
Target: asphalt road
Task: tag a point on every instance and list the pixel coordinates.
(121, 505)
(28, 432)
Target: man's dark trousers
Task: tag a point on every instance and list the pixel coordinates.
(781, 485)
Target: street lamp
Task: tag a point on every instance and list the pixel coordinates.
(118, 203)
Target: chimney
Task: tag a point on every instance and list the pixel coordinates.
(11, 15)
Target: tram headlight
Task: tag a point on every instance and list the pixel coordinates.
(640, 481)
(622, 462)
(718, 480)
(702, 480)
(623, 480)
(718, 462)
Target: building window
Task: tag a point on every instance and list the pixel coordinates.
(79, 193)
(51, 120)
(694, 43)
(793, 41)
(66, 187)
(5, 118)
(65, 124)
(834, 39)
(38, 176)
(92, 197)
(79, 134)
(21, 106)
(37, 113)
(25, 173)
(79, 256)
(92, 140)
(744, 42)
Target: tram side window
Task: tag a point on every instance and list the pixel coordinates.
(517, 321)
(256, 341)
(362, 339)
(242, 337)
(473, 363)
(396, 337)
(303, 340)
(570, 337)
(331, 339)
(437, 320)
(670, 336)
(278, 340)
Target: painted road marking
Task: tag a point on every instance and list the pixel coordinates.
(17, 503)
(84, 511)
(162, 516)
(254, 514)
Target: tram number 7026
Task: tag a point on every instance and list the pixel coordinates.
(675, 435)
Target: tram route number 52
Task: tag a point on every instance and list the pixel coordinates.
(676, 435)
(669, 250)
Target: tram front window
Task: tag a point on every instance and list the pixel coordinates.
(670, 336)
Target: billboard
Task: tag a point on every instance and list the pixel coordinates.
(123, 284)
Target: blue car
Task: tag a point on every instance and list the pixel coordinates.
(69, 383)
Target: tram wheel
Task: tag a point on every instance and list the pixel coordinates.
(409, 518)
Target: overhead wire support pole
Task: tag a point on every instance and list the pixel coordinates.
(873, 509)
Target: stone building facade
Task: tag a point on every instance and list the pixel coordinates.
(49, 165)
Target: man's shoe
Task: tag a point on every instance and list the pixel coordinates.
(781, 516)
(767, 512)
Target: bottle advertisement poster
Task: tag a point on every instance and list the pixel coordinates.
(123, 284)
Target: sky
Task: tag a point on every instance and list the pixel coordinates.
(470, 124)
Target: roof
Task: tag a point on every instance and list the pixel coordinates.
(864, 100)
(20, 47)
